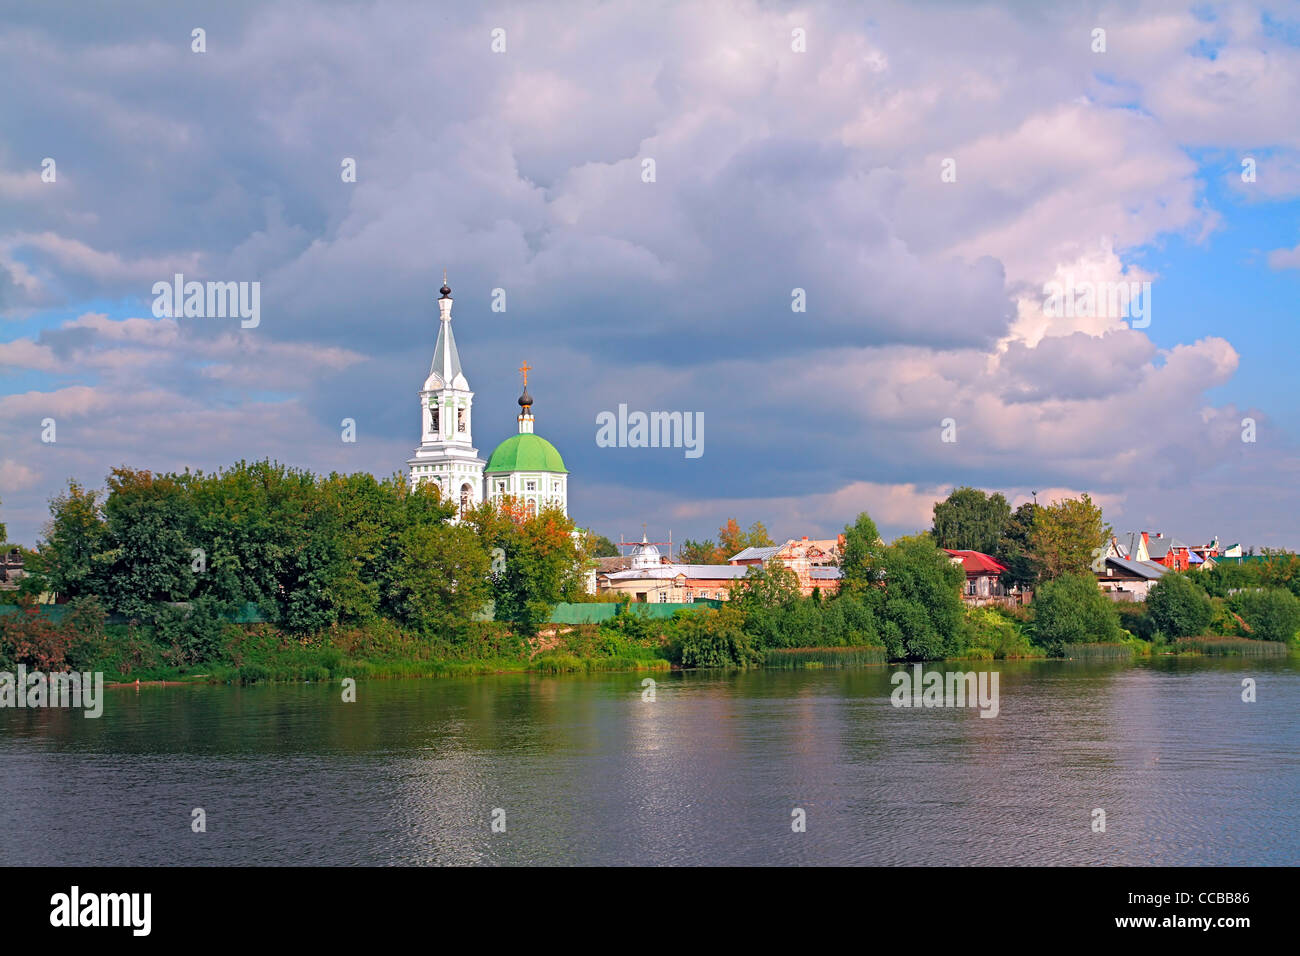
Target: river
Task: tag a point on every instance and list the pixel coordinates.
(714, 770)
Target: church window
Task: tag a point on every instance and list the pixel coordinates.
(501, 487)
(461, 424)
(466, 494)
(532, 507)
(531, 486)
(433, 419)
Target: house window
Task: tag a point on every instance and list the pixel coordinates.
(970, 587)
(663, 597)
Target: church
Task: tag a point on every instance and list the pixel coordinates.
(525, 466)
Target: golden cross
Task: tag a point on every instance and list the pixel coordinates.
(525, 368)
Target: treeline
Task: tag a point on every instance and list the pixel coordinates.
(311, 552)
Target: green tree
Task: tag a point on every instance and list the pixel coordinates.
(1071, 609)
(700, 552)
(970, 520)
(1273, 614)
(441, 578)
(860, 564)
(599, 546)
(1179, 608)
(1015, 550)
(1066, 536)
(714, 638)
(74, 539)
(732, 540)
(541, 563)
(919, 608)
(149, 519)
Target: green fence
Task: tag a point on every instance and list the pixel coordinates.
(599, 613)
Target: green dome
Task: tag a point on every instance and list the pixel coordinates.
(525, 452)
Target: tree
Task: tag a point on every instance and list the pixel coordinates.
(860, 562)
(732, 540)
(714, 638)
(74, 538)
(542, 563)
(1273, 614)
(4, 535)
(1071, 609)
(1178, 608)
(700, 552)
(1067, 535)
(919, 608)
(1014, 548)
(970, 520)
(599, 546)
(441, 578)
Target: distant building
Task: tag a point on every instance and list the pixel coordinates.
(646, 575)
(1123, 579)
(984, 579)
(815, 562)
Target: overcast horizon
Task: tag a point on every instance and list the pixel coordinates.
(916, 175)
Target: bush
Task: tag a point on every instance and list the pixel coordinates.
(1072, 610)
(999, 636)
(714, 638)
(1273, 614)
(1133, 617)
(1179, 608)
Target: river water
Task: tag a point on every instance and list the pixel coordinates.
(714, 770)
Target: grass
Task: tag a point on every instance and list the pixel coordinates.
(793, 658)
(1099, 652)
(1229, 647)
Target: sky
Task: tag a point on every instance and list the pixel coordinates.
(655, 187)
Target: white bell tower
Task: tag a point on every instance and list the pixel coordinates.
(446, 454)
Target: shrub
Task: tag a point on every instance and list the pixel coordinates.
(1273, 614)
(986, 629)
(1072, 610)
(1179, 608)
(714, 638)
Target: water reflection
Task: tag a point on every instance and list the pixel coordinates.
(588, 772)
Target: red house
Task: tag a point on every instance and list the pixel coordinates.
(983, 578)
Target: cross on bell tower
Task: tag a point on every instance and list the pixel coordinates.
(525, 403)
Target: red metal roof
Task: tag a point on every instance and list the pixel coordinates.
(977, 562)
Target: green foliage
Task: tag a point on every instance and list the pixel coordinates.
(714, 638)
(1178, 608)
(1133, 617)
(1014, 550)
(1071, 609)
(599, 546)
(1002, 636)
(193, 633)
(969, 519)
(919, 608)
(1229, 647)
(1272, 614)
(860, 563)
(542, 563)
(793, 658)
(699, 552)
(1066, 535)
(441, 578)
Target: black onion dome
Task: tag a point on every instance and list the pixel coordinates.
(525, 400)
(445, 290)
